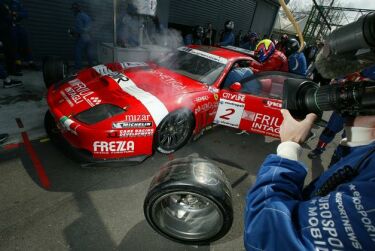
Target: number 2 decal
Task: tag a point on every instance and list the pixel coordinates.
(229, 111)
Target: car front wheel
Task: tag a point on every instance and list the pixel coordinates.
(174, 131)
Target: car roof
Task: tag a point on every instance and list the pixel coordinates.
(229, 54)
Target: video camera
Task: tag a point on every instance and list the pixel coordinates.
(348, 49)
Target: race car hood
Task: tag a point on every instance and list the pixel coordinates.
(121, 87)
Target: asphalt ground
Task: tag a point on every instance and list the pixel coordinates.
(49, 202)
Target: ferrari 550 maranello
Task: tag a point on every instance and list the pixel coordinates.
(125, 111)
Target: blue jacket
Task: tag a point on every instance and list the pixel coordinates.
(280, 215)
(228, 39)
(82, 24)
(297, 64)
(369, 72)
(240, 73)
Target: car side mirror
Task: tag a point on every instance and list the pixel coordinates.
(236, 86)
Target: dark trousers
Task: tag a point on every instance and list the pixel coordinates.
(9, 50)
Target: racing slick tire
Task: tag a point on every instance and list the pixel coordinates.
(56, 138)
(189, 200)
(51, 127)
(54, 70)
(174, 131)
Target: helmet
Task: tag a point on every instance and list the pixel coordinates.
(229, 25)
(292, 46)
(264, 49)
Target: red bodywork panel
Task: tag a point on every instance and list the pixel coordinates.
(148, 93)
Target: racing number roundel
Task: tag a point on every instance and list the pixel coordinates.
(229, 113)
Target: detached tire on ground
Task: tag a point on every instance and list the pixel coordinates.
(190, 201)
(174, 131)
(54, 70)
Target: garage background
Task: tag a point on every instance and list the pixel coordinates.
(49, 21)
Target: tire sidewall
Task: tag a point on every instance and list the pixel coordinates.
(223, 203)
(54, 70)
(190, 119)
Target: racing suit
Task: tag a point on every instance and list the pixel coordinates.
(369, 73)
(297, 64)
(281, 215)
(276, 62)
(20, 36)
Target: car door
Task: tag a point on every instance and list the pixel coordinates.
(258, 113)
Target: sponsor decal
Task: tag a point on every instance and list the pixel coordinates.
(204, 55)
(78, 92)
(113, 147)
(142, 117)
(127, 65)
(169, 80)
(272, 104)
(229, 113)
(131, 133)
(102, 70)
(155, 107)
(262, 122)
(216, 96)
(206, 107)
(213, 89)
(201, 99)
(132, 124)
(234, 97)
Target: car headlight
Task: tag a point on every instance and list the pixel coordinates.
(98, 113)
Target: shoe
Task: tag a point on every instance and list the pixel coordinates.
(12, 83)
(314, 154)
(3, 137)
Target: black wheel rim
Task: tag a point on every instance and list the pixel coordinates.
(174, 131)
(187, 216)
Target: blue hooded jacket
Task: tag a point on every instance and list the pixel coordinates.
(280, 215)
(297, 63)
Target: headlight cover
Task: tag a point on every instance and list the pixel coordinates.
(98, 113)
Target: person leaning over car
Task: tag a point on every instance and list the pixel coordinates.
(239, 73)
(335, 212)
(270, 59)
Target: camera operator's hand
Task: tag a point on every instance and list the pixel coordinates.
(293, 130)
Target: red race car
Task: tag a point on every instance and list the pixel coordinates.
(124, 111)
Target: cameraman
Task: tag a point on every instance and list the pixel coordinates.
(335, 212)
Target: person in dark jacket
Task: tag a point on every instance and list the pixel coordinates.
(82, 32)
(296, 60)
(227, 38)
(20, 35)
(334, 212)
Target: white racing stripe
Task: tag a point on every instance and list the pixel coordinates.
(154, 106)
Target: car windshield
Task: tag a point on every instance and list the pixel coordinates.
(195, 64)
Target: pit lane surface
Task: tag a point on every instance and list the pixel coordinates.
(49, 202)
